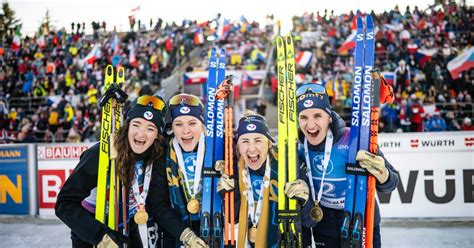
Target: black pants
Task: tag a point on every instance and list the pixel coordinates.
(134, 236)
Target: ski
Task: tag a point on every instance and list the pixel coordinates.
(353, 136)
(353, 230)
(211, 212)
(112, 114)
(288, 214)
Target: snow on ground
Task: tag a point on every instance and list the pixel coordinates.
(16, 233)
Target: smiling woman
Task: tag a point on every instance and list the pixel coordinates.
(139, 144)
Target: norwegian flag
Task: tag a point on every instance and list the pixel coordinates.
(16, 43)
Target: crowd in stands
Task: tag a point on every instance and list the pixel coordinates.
(414, 45)
(65, 68)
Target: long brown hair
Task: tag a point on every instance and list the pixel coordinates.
(126, 158)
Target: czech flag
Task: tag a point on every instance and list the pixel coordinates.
(462, 62)
(349, 43)
(304, 58)
(195, 77)
(93, 55)
(390, 77)
(198, 37)
(424, 55)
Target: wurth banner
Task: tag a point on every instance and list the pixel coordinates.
(436, 174)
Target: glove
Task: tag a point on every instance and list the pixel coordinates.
(112, 238)
(374, 164)
(298, 190)
(190, 239)
(225, 184)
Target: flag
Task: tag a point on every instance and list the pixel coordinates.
(16, 43)
(223, 28)
(252, 78)
(198, 37)
(41, 42)
(304, 58)
(195, 77)
(132, 58)
(390, 77)
(93, 55)
(136, 9)
(424, 55)
(462, 62)
(349, 43)
(115, 45)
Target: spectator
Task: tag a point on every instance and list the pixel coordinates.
(467, 124)
(435, 123)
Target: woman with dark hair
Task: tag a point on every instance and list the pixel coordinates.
(139, 145)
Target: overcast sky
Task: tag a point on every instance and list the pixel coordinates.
(116, 12)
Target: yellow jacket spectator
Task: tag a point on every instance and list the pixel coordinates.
(73, 50)
(69, 112)
(70, 80)
(92, 95)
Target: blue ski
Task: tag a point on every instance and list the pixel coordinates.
(352, 230)
(358, 229)
(208, 171)
(211, 213)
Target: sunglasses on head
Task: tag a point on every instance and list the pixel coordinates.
(314, 88)
(152, 101)
(185, 99)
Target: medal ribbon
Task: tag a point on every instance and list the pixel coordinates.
(199, 163)
(140, 198)
(325, 162)
(255, 215)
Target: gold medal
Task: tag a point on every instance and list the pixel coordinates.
(141, 216)
(316, 213)
(252, 234)
(193, 206)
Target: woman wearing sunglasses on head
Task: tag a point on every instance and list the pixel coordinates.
(139, 144)
(256, 190)
(177, 202)
(323, 156)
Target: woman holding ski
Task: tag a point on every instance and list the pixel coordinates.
(140, 146)
(323, 155)
(256, 190)
(176, 194)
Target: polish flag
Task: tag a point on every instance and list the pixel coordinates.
(462, 62)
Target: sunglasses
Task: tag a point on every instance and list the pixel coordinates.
(314, 88)
(152, 101)
(185, 99)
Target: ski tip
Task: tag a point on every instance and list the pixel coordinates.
(289, 39)
(214, 51)
(222, 51)
(370, 22)
(360, 24)
(279, 41)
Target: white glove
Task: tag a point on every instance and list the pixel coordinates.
(225, 184)
(374, 164)
(191, 240)
(107, 242)
(298, 190)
